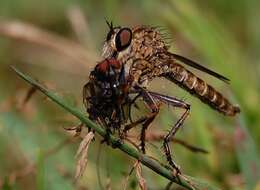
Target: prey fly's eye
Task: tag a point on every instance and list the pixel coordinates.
(123, 39)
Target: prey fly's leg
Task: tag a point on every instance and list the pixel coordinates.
(175, 103)
(146, 124)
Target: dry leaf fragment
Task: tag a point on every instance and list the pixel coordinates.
(82, 155)
(140, 178)
(127, 177)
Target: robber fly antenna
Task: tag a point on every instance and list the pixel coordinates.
(110, 25)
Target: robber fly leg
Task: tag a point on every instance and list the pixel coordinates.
(134, 124)
(170, 135)
(107, 136)
(120, 140)
(174, 102)
(154, 108)
(146, 124)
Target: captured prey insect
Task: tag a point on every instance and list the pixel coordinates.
(105, 95)
(144, 55)
(108, 99)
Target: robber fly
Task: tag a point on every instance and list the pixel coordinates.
(145, 56)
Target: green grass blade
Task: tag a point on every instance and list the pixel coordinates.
(247, 155)
(40, 172)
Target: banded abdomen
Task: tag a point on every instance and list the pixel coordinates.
(196, 86)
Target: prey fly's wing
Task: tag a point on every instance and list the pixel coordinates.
(199, 67)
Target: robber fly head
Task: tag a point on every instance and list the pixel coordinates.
(124, 43)
(118, 40)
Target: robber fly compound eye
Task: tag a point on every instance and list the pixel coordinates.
(123, 39)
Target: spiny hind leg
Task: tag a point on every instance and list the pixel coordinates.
(175, 103)
(153, 105)
(170, 136)
(146, 124)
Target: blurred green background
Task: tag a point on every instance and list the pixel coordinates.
(58, 42)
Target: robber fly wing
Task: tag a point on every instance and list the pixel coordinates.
(199, 67)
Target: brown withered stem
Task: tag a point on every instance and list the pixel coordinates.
(23, 32)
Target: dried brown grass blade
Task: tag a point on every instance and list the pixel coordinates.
(140, 178)
(28, 33)
(108, 184)
(127, 177)
(82, 155)
(80, 25)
